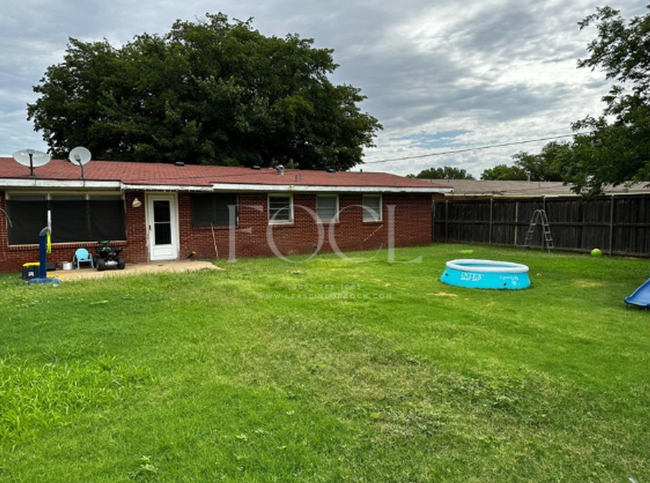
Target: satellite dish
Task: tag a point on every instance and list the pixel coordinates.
(31, 159)
(79, 155)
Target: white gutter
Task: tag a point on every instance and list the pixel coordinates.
(163, 187)
(327, 189)
(54, 183)
(117, 185)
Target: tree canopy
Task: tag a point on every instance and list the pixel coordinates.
(617, 148)
(207, 92)
(504, 172)
(446, 172)
(545, 166)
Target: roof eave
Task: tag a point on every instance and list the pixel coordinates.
(117, 185)
(328, 189)
(288, 188)
(55, 183)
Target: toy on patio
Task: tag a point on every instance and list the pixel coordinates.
(81, 255)
(44, 247)
(109, 257)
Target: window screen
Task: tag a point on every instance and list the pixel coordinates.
(212, 209)
(371, 208)
(280, 209)
(327, 208)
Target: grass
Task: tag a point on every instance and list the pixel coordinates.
(272, 371)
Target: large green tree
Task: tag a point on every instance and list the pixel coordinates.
(548, 165)
(617, 148)
(207, 92)
(446, 172)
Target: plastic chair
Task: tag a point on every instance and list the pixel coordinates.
(81, 255)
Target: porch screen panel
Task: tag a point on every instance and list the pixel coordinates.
(28, 215)
(107, 218)
(74, 218)
(70, 221)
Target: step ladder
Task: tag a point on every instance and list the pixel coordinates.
(539, 216)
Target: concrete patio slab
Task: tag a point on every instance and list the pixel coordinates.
(135, 269)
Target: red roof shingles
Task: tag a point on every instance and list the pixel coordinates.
(204, 176)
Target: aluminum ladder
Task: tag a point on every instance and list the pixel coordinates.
(539, 216)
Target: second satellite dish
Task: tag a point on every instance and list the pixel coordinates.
(31, 158)
(79, 155)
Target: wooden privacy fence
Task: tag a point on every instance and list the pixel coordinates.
(618, 225)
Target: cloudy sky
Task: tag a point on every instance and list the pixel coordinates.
(440, 75)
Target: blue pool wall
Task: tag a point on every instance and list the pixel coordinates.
(486, 274)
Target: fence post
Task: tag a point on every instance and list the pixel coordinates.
(490, 230)
(516, 221)
(611, 226)
(541, 234)
(446, 221)
(433, 220)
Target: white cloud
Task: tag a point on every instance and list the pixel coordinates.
(492, 71)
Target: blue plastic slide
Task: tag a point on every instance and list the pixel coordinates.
(641, 296)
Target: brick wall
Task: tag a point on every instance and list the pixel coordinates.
(412, 226)
(412, 216)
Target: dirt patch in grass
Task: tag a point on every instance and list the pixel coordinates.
(587, 283)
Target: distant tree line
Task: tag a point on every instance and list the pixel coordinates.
(446, 172)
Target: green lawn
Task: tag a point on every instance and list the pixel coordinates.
(262, 373)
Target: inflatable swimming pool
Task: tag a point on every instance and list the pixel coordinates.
(486, 274)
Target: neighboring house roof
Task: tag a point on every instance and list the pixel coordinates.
(512, 189)
(159, 176)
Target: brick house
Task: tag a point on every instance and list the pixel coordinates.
(168, 211)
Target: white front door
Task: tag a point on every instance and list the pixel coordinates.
(162, 226)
